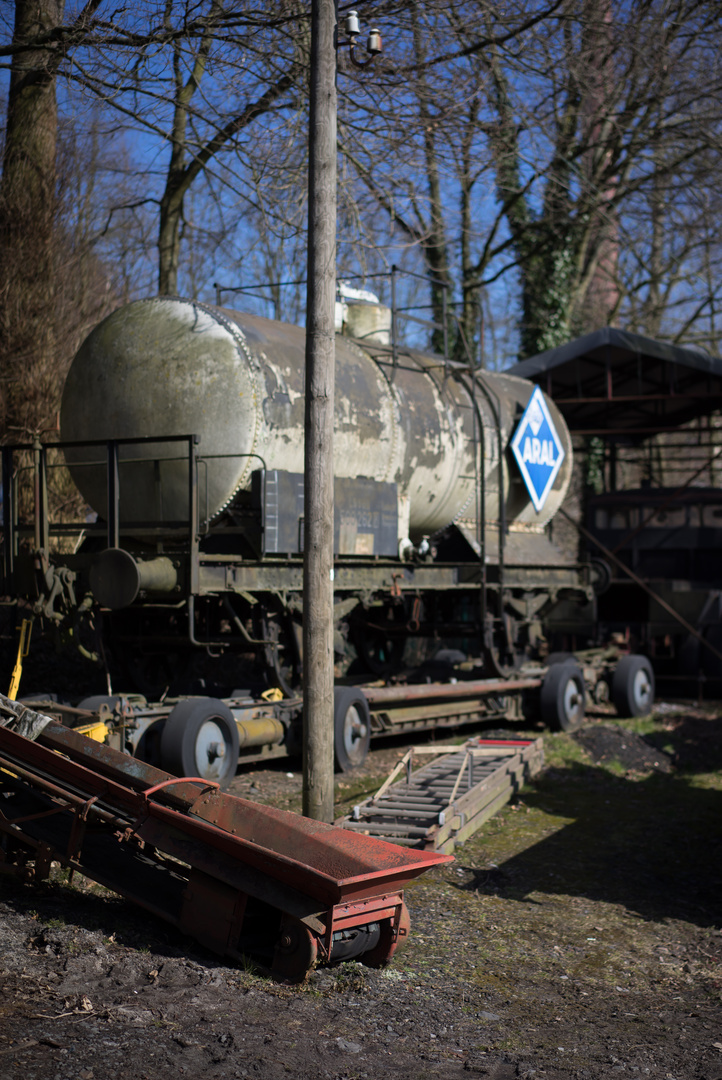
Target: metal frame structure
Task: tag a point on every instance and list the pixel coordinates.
(623, 390)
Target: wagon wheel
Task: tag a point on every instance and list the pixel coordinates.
(296, 951)
(200, 738)
(563, 696)
(352, 728)
(633, 686)
(380, 955)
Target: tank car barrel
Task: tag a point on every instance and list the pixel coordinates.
(159, 366)
(439, 532)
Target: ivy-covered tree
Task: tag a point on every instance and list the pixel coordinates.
(520, 139)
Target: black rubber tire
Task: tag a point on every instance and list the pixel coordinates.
(351, 728)
(633, 686)
(563, 696)
(193, 729)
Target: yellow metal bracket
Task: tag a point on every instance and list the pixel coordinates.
(97, 731)
(23, 649)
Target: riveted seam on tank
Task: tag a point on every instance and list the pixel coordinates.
(254, 367)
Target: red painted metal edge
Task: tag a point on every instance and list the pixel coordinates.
(326, 862)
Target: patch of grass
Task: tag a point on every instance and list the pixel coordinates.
(598, 884)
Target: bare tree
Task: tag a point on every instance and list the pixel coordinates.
(27, 216)
(511, 150)
(670, 270)
(189, 84)
(190, 156)
(516, 158)
(183, 78)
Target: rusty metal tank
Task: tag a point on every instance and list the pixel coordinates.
(168, 366)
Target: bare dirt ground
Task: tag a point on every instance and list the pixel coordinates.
(578, 935)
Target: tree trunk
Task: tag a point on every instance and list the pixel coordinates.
(27, 216)
(434, 243)
(169, 237)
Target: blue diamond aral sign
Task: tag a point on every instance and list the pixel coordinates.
(538, 449)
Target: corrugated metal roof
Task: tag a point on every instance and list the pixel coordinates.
(613, 382)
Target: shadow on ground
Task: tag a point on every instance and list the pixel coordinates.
(52, 904)
(651, 843)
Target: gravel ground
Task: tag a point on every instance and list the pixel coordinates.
(577, 935)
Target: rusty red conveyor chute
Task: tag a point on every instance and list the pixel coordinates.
(229, 871)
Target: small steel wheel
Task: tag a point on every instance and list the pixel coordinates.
(200, 738)
(633, 686)
(351, 727)
(388, 944)
(563, 696)
(296, 951)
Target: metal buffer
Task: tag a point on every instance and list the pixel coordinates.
(444, 802)
(243, 879)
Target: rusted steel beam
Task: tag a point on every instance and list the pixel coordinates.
(479, 688)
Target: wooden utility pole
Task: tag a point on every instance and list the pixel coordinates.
(318, 484)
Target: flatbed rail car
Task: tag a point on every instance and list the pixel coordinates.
(209, 737)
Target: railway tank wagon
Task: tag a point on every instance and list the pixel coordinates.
(182, 426)
(200, 540)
